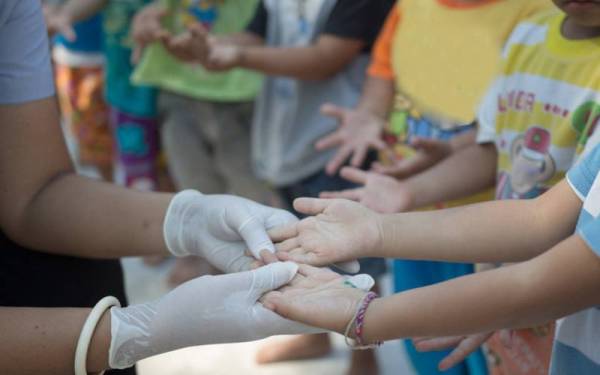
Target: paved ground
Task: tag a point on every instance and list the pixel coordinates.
(145, 283)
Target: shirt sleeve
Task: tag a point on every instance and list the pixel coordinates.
(358, 19)
(258, 24)
(582, 175)
(486, 115)
(381, 59)
(25, 68)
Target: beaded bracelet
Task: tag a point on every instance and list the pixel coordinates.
(358, 322)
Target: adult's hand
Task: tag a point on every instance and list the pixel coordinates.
(358, 132)
(207, 310)
(220, 228)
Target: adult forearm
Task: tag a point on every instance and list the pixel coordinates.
(466, 172)
(553, 285)
(95, 220)
(43, 341)
(377, 96)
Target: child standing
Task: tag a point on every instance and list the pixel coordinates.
(79, 69)
(204, 117)
(313, 51)
(132, 108)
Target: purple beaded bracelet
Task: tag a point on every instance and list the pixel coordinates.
(358, 321)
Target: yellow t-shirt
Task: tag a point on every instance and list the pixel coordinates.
(443, 54)
(543, 108)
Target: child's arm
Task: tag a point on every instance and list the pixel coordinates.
(560, 282)
(325, 58)
(507, 231)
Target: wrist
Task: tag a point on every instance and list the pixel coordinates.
(176, 220)
(99, 346)
(369, 329)
(241, 57)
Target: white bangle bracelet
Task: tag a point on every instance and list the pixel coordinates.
(88, 331)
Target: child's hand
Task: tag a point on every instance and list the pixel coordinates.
(191, 46)
(463, 346)
(358, 132)
(381, 193)
(320, 298)
(429, 153)
(147, 28)
(222, 57)
(340, 231)
(58, 23)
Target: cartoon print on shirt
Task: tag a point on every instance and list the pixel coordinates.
(584, 120)
(532, 165)
(203, 11)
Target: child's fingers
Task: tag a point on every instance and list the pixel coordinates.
(354, 175)
(360, 154)
(352, 194)
(464, 348)
(287, 245)
(338, 160)
(311, 206)
(437, 343)
(268, 257)
(333, 110)
(329, 141)
(284, 232)
(351, 267)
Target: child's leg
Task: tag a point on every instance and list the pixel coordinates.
(189, 149)
(233, 152)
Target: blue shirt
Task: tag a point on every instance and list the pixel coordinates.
(25, 70)
(577, 346)
(89, 36)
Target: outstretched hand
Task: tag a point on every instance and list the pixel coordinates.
(320, 298)
(146, 28)
(381, 193)
(429, 152)
(463, 345)
(358, 132)
(338, 231)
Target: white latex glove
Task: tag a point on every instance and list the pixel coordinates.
(220, 228)
(207, 310)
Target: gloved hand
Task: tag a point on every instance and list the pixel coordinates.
(220, 228)
(207, 310)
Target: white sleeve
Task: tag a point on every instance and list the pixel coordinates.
(486, 115)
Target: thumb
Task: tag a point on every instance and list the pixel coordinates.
(271, 277)
(332, 110)
(68, 32)
(363, 282)
(254, 233)
(311, 206)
